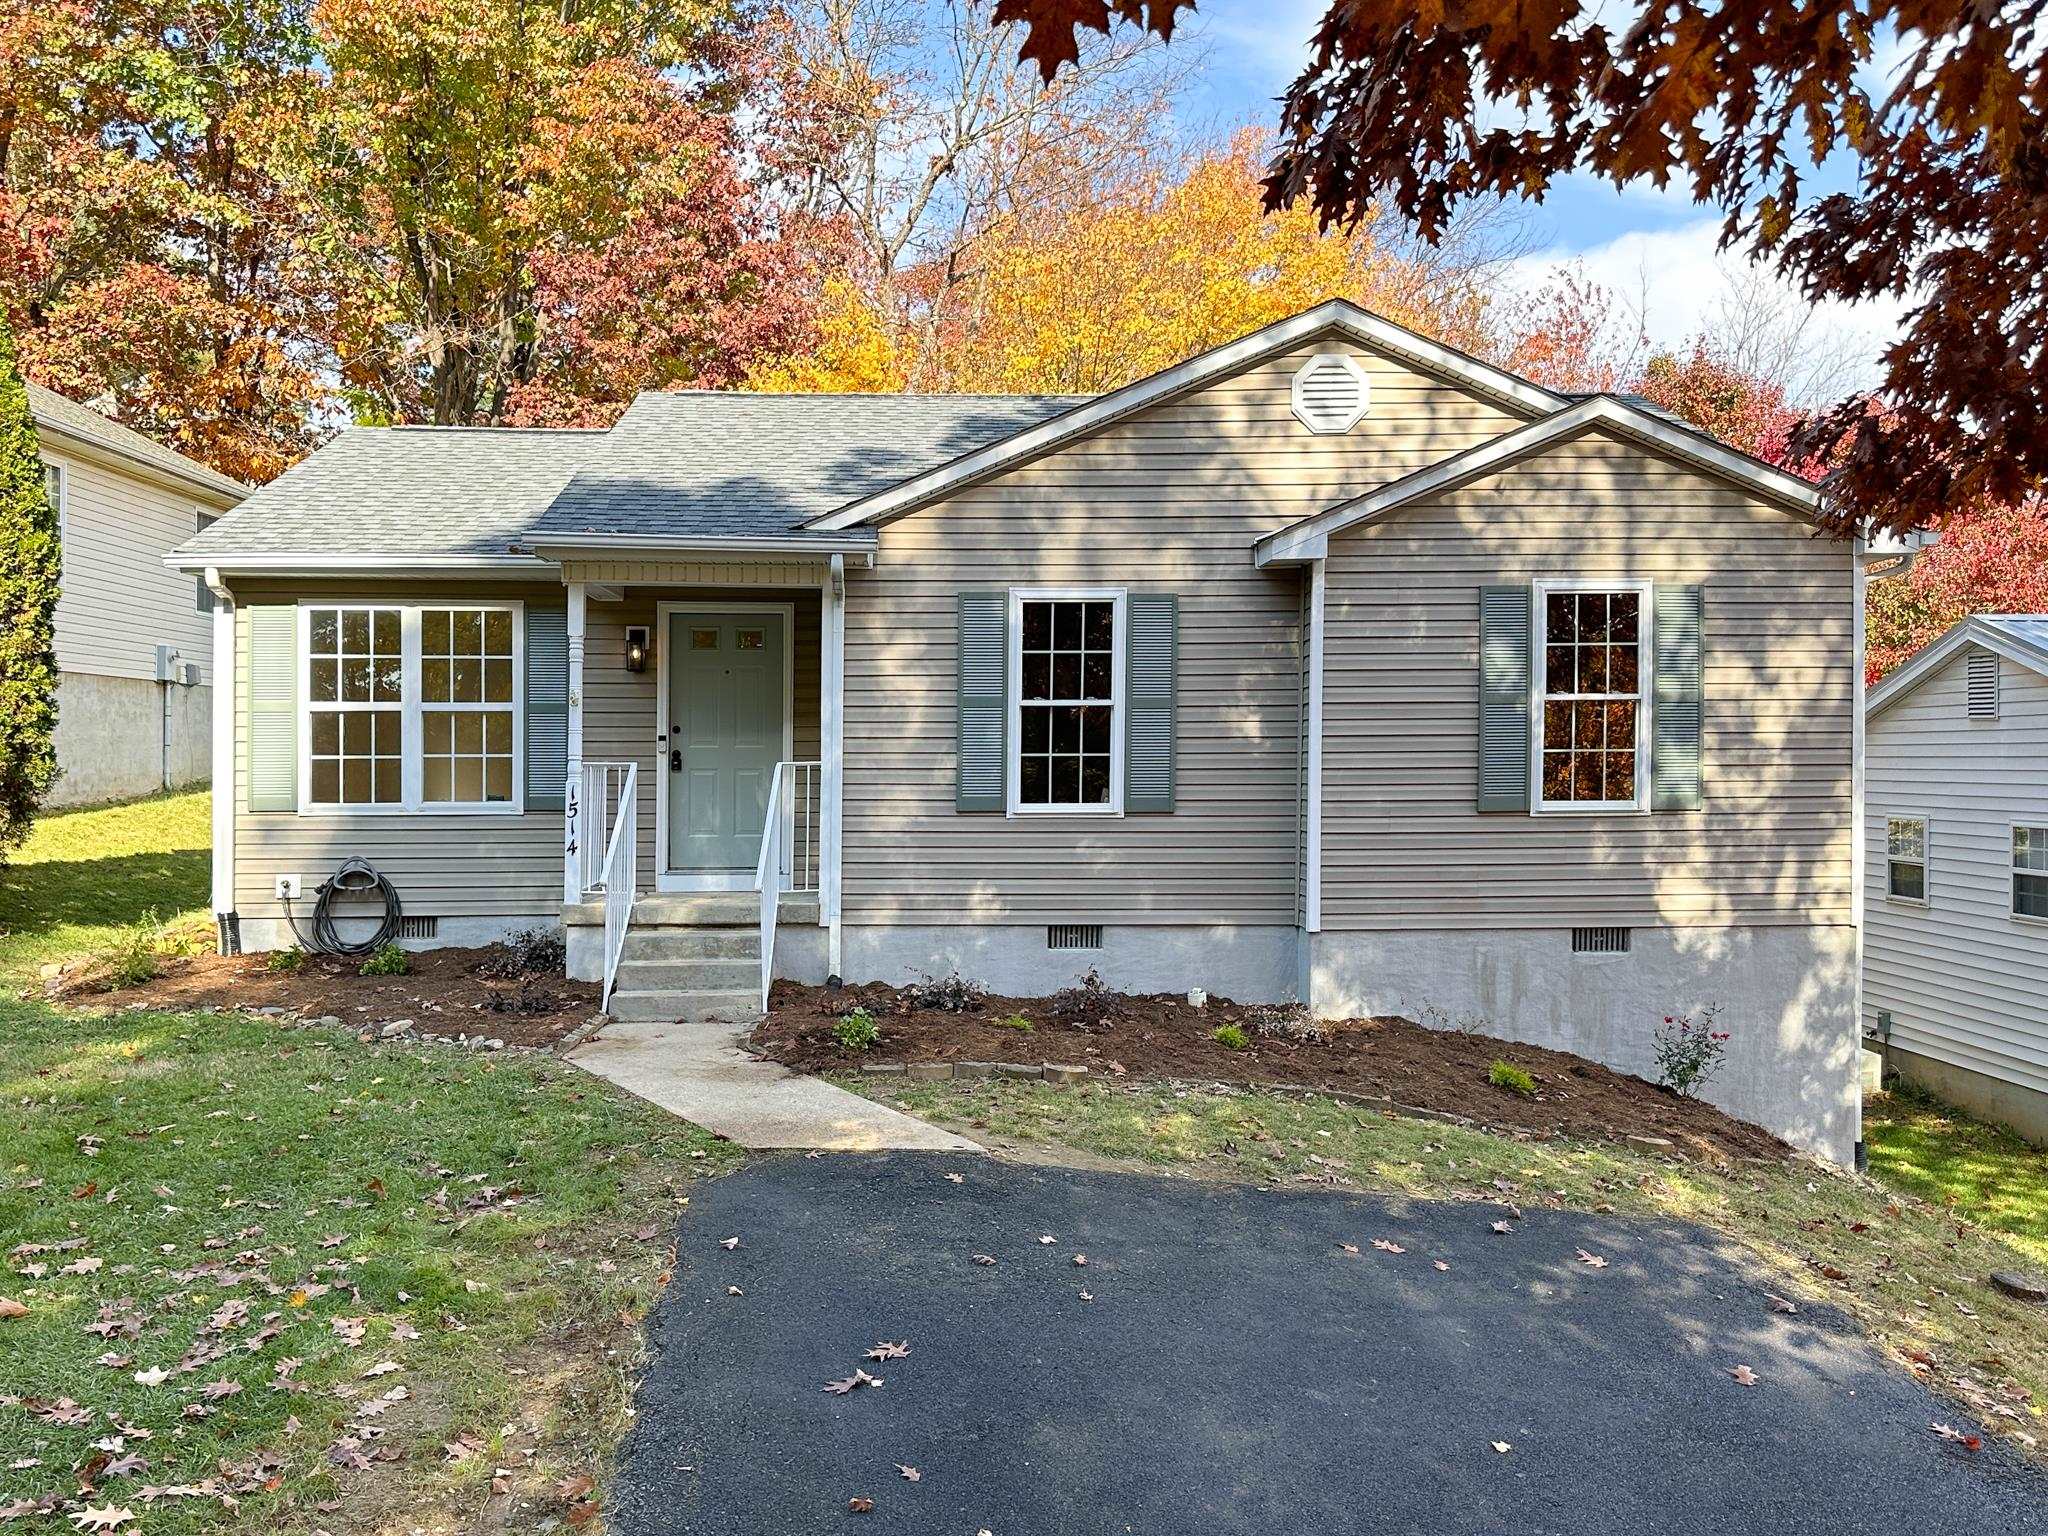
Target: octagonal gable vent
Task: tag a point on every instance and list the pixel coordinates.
(1330, 393)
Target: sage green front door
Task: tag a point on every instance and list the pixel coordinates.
(725, 709)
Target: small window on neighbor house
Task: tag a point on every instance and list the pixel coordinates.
(2030, 872)
(1590, 649)
(1905, 846)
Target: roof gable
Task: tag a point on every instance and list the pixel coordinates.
(58, 413)
(2018, 637)
(1338, 317)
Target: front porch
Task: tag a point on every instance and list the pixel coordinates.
(701, 809)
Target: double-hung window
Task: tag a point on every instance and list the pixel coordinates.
(1592, 651)
(2030, 872)
(411, 707)
(1067, 655)
(1905, 857)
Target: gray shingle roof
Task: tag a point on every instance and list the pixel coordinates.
(52, 411)
(703, 462)
(405, 490)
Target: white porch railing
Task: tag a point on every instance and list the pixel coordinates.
(620, 877)
(595, 803)
(789, 851)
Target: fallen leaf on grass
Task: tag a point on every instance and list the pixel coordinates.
(1591, 1260)
(382, 1368)
(887, 1351)
(1949, 1432)
(460, 1449)
(1502, 1446)
(9, 1307)
(1744, 1376)
(1386, 1247)
(580, 1486)
(104, 1518)
(1779, 1303)
(846, 1384)
(910, 1474)
(860, 1504)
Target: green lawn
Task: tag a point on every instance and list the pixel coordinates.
(1910, 1266)
(1984, 1174)
(84, 876)
(275, 1279)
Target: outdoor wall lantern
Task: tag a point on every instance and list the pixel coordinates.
(636, 648)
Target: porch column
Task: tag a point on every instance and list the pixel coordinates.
(832, 691)
(576, 821)
(225, 680)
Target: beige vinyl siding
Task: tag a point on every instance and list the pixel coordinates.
(1169, 501)
(1965, 981)
(119, 600)
(1403, 845)
(444, 865)
(619, 707)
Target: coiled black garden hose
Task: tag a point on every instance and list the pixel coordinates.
(355, 876)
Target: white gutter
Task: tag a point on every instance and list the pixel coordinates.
(315, 563)
(578, 546)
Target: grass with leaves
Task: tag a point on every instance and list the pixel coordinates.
(295, 1282)
(1898, 1256)
(1983, 1173)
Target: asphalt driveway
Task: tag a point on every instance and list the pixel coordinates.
(1238, 1371)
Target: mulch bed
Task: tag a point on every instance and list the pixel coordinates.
(441, 994)
(1164, 1037)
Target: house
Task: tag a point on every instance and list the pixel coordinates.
(134, 643)
(1955, 990)
(1332, 664)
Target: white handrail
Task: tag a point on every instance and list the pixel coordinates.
(768, 880)
(621, 879)
(593, 805)
(789, 851)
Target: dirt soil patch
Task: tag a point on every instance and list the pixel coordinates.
(1119, 1036)
(442, 993)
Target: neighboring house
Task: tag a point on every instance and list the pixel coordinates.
(1956, 961)
(134, 641)
(1333, 664)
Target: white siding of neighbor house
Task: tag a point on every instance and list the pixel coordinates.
(119, 600)
(1965, 981)
(1169, 501)
(1404, 846)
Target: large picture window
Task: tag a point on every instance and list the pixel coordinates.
(411, 708)
(1592, 650)
(1066, 671)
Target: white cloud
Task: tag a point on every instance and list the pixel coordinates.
(1674, 283)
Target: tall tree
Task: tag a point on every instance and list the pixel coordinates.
(1399, 106)
(1992, 561)
(30, 569)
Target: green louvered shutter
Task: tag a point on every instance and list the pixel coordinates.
(1504, 698)
(984, 649)
(274, 709)
(1149, 688)
(1675, 721)
(547, 707)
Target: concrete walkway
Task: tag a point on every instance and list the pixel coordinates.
(703, 1073)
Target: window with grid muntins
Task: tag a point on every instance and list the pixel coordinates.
(1066, 701)
(2030, 871)
(1591, 650)
(1905, 844)
(356, 717)
(466, 706)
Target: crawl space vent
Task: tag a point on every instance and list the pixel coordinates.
(1330, 393)
(1983, 685)
(1074, 936)
(418, 927)
(1599, 941)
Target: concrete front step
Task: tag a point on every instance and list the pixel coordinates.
(673, 944)
(686, 1007)
(639, 973)
(718, 909)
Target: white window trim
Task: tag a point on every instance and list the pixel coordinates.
(412, 732)
(2013, 872)
(1539, 668)
(1926, 859)
(63, 503)
(1013, 724)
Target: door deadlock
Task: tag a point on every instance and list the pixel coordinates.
(675, 759)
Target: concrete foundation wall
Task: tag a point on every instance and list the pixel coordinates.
(1245, 964)
(266, 933)
(1787, 995)
(110, 734)
(2021, 1109)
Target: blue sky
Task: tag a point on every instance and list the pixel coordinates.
(1654, 249)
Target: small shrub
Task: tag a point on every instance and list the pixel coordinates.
(1689, 1048)
(1231, 1037)
(530, 952)
(133, 958)
(388, 961)
(858, 1031)
(950, 993)
(1087, 1003)
(1287, 1021)
(286, 960)
(1018, 1022)
(1505, 1074)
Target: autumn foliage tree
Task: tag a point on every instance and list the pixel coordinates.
(1992, 561)
(1733, 99)
(30, 568)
